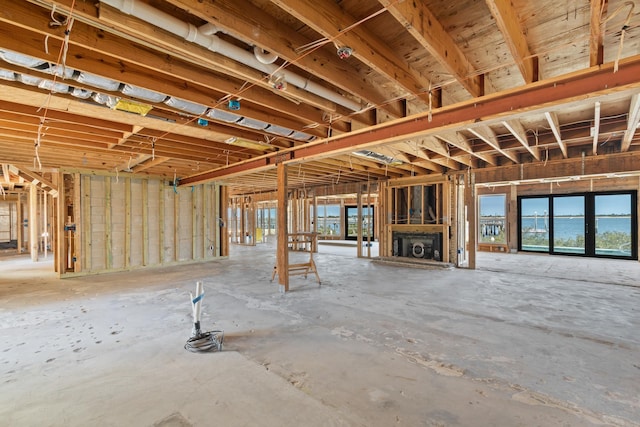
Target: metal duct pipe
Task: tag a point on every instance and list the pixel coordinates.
(212, 42)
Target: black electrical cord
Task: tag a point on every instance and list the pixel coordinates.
(204, 341)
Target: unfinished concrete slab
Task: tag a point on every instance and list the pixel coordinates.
(373, 346)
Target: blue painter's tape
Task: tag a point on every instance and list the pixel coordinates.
(198, 298)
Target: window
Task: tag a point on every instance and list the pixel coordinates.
(493, 218)
(534, 224)
(328, 219)
(591, 224)
(351, 214)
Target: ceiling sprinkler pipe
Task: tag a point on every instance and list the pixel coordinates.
(215, 44)
(263, 56)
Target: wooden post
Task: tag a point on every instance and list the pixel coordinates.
(61, 213)
(108, 241)
(470, 201)
(314, 221)
(76, 255)
(224, 230)
(512, 219)
(358, 222)
(145, 221)
(370, 226)
(45, 229)
(176, 223)
(161, 222)
(282, 254)
(446, 220)
(85, 187)
(20, 222)
(33, 222)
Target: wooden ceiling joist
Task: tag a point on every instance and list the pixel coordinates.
(508, 22)
(552, 119)
(633, 122)
(422, 24)
(331, 21)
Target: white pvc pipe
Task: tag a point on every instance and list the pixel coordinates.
(197, 307)
(263, 56)
(209, 40)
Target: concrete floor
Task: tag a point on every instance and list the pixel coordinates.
(525, 340)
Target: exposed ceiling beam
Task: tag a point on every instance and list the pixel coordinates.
(5, 173)
(422, 24)
(509, 24)
(330, 20)
(36, 178)
(429, 149)
(596, 127)
(632, 122)
(460, 141)
(232, 16)
(596, 29)
(552, 119)
(487, 134)
(539, 96)
(426, 167)
(518, 131)
(163, 40)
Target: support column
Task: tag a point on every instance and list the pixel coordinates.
(282, 254)
(358, 223)
(20, 223)
(33, 222)
(223, 205)
(45, 229)
(470, 202)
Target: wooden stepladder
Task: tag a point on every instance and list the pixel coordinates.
(301, 242)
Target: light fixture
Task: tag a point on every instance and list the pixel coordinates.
(345, 52)
(278, 82)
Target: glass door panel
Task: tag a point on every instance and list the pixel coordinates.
(613, 225)
(534, 224)
(352, 222)
(569, 225)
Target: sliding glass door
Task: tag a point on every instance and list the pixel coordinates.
(534, 224)
(590, 224)
(613, 225)
(569, 225)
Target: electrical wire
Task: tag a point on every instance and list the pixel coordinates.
(205, 341)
